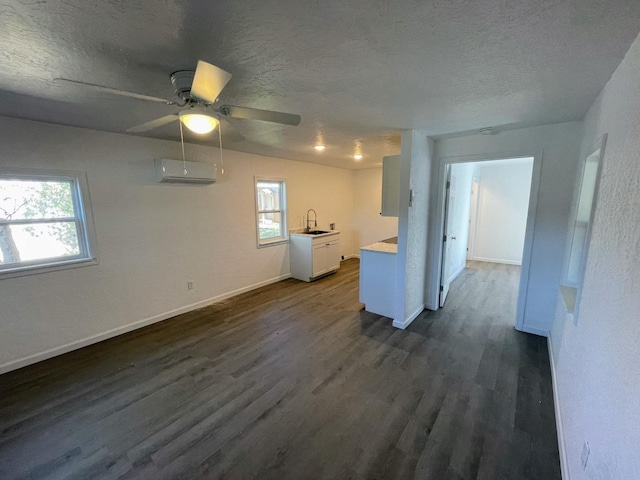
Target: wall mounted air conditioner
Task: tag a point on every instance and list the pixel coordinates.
(177, 171)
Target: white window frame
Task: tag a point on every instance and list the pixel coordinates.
(83, 219)
(284, 237)
(578, 251)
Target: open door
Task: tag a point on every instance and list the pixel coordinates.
(446, 246)
(473, 217)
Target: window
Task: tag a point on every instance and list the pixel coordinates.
(271, 217)
(43, 222)
(584, 210)
(583, 218)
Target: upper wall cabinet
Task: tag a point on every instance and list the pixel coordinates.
(390, 186)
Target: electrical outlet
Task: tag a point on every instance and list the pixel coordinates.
(190, 285)
(586, 450)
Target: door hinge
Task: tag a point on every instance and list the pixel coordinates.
(448, 184)
(444, 238)
(441, 288)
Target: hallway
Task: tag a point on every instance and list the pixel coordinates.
(503, 416)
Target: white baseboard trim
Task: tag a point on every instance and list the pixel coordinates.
(497, 260)
(353, 255)
(534, 331)
(564, 466)
(114, 332)
(238, 291)
(456, 273)
(408, 320)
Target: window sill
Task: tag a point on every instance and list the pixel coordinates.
(45, 268)
(569, 296)
(279, 241)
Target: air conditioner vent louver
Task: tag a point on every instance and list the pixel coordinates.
(176, 171)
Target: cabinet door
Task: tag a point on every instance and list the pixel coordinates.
(390, 186)
(319, 260)
(333, 256)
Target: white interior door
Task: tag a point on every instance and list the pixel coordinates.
(473, 216)
(446, 247)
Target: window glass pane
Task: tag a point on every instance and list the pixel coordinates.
(30, 199)
(269, 225)
(585, 202)
(583, 216)
(28, 242)
(268, 195)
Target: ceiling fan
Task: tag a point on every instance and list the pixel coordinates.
(197, 92)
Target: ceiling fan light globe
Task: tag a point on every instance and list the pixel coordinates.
(199, 122)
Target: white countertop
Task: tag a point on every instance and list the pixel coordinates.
(381, 247)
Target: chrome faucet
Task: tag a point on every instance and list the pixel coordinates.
(315, 221)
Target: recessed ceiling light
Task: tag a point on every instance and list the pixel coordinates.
(358, 156)
(319, 147)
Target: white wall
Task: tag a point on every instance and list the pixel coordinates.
(597, 367)
(459, 206)
(417, 152)
(368, 225)
(502, 210)
(151, 237)
(561, 144)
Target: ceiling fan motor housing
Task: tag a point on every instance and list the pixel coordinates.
(182, 81)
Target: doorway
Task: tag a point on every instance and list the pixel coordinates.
(488, 208)
(473, 216)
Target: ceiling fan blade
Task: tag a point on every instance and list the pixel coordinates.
(115, 91)
(263, 115)
(208, 81)
(229, 132)
(158, 122)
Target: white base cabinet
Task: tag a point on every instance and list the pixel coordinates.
(378, 264)
(314, 256)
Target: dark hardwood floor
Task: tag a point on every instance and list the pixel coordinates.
(295, 381)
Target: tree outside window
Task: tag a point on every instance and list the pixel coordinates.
(41, 221)
(271, 211)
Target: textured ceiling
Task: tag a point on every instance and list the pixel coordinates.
(358, 71)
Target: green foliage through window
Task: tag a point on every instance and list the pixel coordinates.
(270, 204)
(40, 220)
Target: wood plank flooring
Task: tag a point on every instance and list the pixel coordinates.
(295, 381)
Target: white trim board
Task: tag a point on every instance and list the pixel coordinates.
(564, 465)
(496, 260)
(457, 272)
(404, 324)
(534, 331)
(114, 332)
